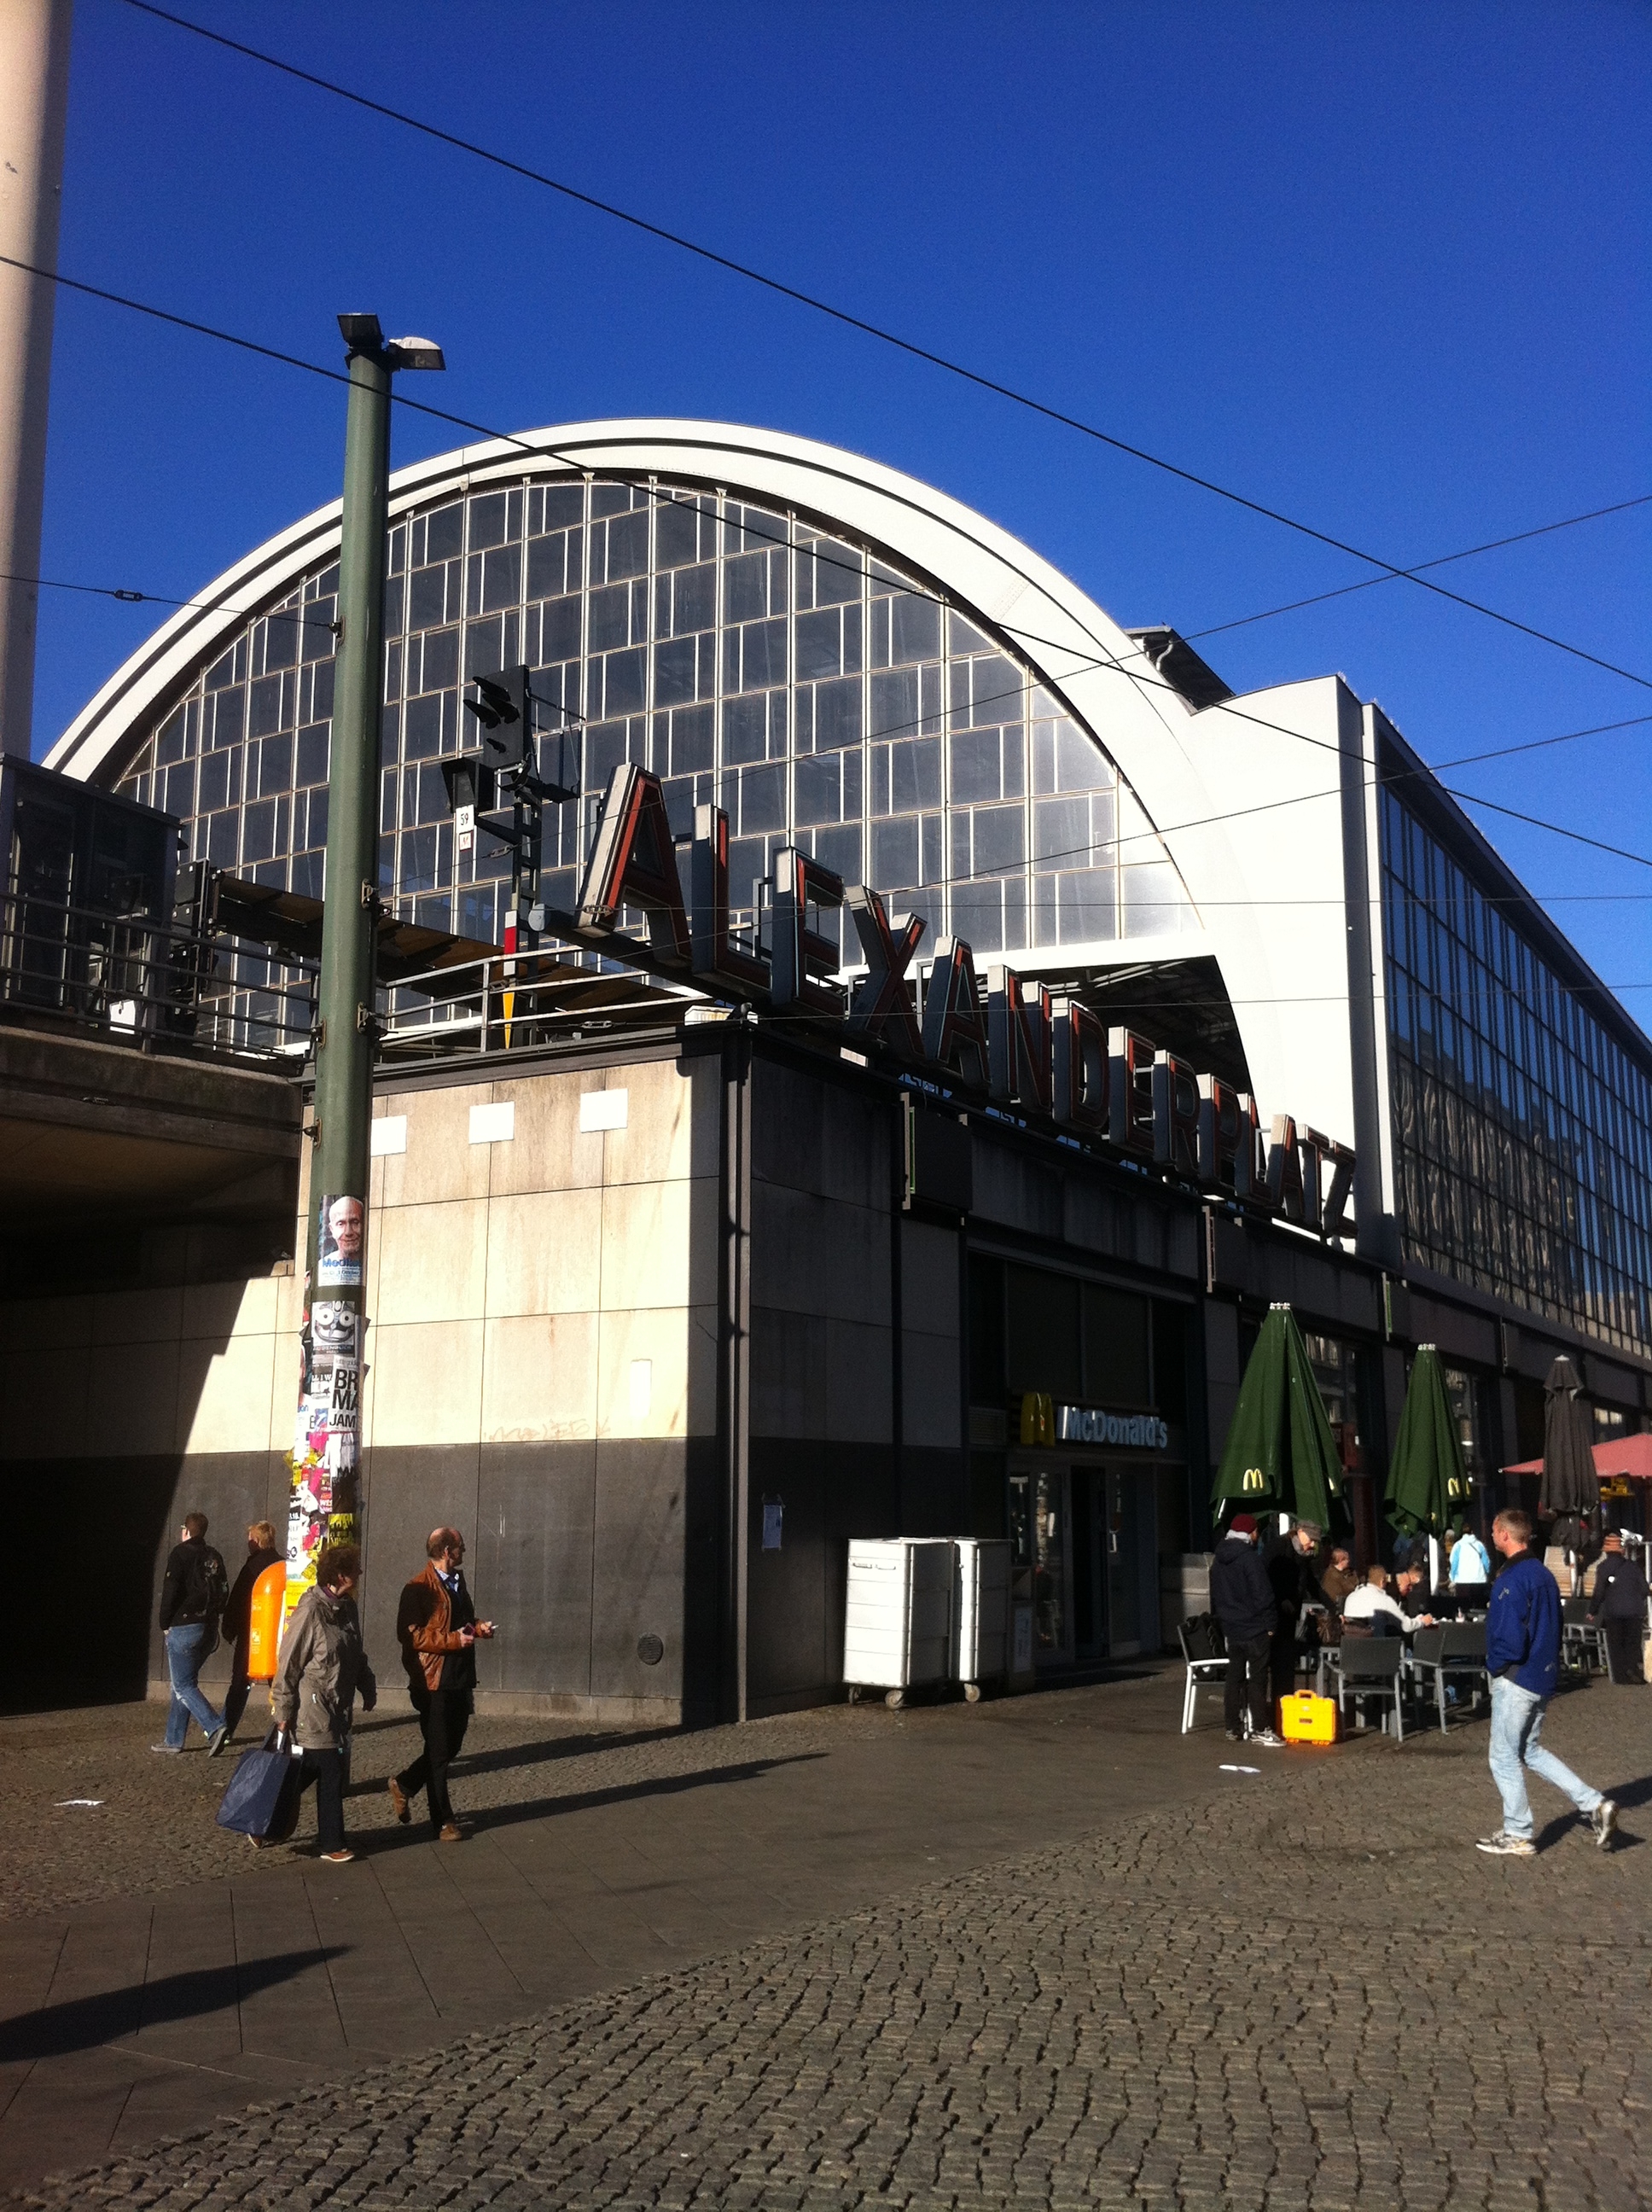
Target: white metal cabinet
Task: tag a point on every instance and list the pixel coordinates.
(980, 1612)
(897, 1622)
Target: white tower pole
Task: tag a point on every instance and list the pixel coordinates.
(34, 102)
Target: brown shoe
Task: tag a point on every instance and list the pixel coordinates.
(399, 1799)
(453, 1833)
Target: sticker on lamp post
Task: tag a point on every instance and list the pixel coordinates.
(326, 1445)
(338, 1246)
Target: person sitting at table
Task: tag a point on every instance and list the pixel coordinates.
(1338, 1580)
(1416, 1603)
(1369, 1611)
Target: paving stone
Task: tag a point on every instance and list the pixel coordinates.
(1302, 1994)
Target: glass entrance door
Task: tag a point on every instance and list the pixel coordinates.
(1123, 1538)
(1041, 1530)
(1090, 1560)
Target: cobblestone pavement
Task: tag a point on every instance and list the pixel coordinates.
(152, 1825)
(1306, 1990)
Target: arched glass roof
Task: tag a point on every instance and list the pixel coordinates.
(748, 654)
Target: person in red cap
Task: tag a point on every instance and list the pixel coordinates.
(1242, 1599)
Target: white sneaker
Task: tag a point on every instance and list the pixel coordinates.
(1502, 1845)
(1604, 1821)
(1268, 1742)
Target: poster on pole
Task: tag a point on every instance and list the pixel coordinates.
(326, 1442)
(341, 1234)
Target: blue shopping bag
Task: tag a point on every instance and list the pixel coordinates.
(262, 1798)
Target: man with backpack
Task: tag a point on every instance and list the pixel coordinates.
(193, 1597)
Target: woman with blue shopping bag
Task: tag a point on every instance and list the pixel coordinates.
(324, 1662)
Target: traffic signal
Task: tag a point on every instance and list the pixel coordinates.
(500, 703)
(470, 782)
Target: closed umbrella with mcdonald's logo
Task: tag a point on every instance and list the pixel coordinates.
(1428, 1483)
(1280, 1455)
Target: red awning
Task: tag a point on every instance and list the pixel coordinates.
(1630, 1456)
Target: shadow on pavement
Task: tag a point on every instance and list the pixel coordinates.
(526, 1754)
(584, 1800)
(85, 2022)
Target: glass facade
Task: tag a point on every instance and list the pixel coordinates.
(1522, 1123)
(746, 657)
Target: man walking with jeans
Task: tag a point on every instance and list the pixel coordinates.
(1522, 1658)
(192, 1600)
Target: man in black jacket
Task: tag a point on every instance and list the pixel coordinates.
(1244, 1600)
(193, 1597)
(261, 1552)
(1619, 1605)
(1292, 1562)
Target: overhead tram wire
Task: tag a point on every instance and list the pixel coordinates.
(131, 598)
(872, 330)
(660, 497)
(896, 729)
(1441, 561)
(1109, 663)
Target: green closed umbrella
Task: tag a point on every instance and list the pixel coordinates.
(1280, 1455)
(1428, 1483)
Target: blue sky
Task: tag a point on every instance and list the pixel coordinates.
(1380, 266)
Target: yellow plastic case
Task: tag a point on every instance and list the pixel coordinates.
(1304, 1718)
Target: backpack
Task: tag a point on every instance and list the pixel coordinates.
(209, 1589)
(1205, 1637)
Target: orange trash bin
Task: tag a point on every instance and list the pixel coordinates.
(263, 1623)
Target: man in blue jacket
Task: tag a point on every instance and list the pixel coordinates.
(1522, 1656)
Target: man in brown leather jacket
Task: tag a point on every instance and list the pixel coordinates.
(437, 1628)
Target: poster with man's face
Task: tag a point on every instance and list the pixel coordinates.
(339, 1247)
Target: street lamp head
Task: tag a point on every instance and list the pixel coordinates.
(361, 334)
(416, 353)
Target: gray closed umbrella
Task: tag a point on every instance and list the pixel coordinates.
(1571, 1487)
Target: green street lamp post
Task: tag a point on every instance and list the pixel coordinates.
(325, 1499)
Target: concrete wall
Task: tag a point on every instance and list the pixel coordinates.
(122, 1412)
(541, 1370)
(822, 1406)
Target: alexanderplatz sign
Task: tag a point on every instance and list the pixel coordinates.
(1050, 1058)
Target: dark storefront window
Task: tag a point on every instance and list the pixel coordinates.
(1470, 1396)
(1347, 1385)
(987, 1384)
(1044, 1335)
(1522, 1123)
(1336, 1370)
(1118, 1360)
(1083, 1343)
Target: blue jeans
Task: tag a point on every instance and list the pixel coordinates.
(184, 1658)
(1516, 1733)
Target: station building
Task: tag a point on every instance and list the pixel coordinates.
(675, 1287)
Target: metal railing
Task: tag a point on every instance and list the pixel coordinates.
(510, 1002)
(153, 981)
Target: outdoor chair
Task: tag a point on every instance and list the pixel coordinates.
(1582, 1645)
(1453, 1654)
(1205, 1652)
(1371, 1667)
